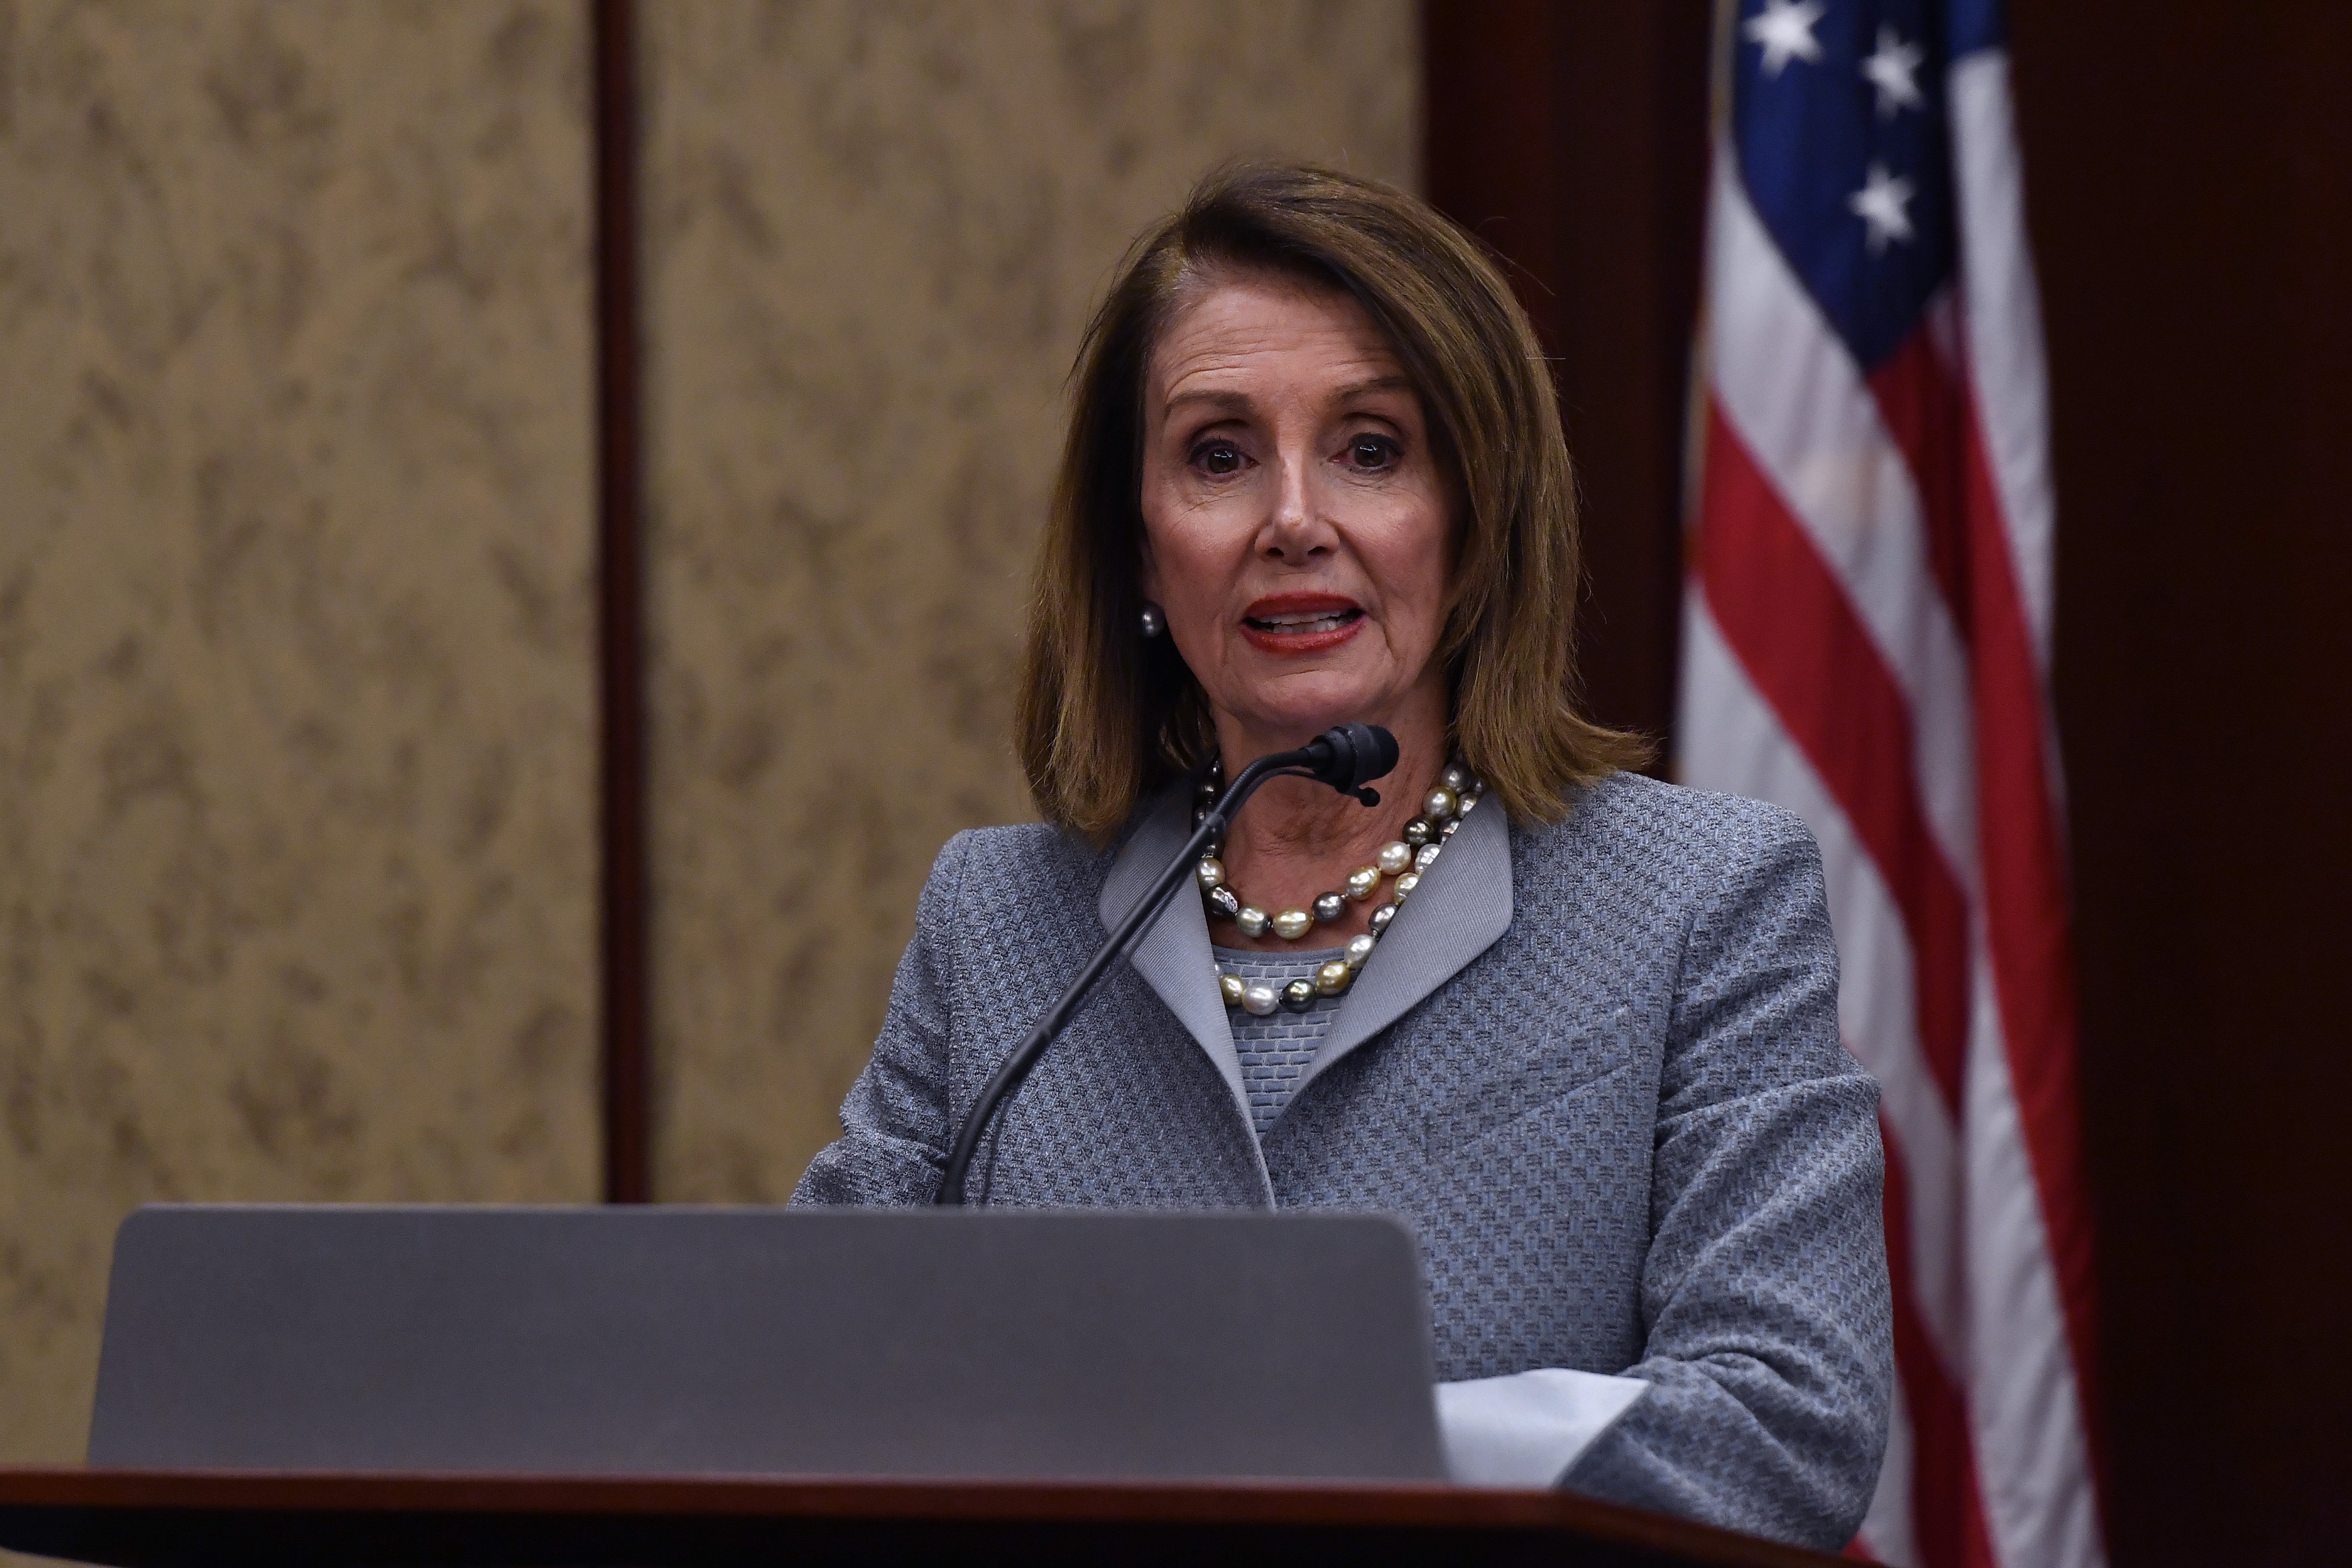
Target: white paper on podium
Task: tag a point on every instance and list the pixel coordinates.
(1526, 1429)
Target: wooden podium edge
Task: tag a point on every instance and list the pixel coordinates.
(52, 1490)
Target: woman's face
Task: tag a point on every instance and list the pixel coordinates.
(1296, 522)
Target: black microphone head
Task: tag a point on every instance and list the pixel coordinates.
(1349, 756)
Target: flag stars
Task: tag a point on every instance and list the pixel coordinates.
(1785, 30)
(1893, 69)
(1883, 202)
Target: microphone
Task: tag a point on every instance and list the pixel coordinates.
(1348, 757)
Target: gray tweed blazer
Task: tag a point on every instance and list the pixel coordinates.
(1596, 1066)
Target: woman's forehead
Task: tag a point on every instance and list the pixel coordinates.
(1246, 330)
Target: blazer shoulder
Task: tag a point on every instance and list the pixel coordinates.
(1640, 823)
(1023, 862)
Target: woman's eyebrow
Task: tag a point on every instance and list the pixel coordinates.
(1225, 402)
(1355, 389)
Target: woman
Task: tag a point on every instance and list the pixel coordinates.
(1578, 1027)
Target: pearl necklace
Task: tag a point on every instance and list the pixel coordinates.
(1407, 859)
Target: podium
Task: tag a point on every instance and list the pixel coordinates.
(188, 1519)
(521, 1388)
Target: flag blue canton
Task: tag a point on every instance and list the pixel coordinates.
(1844, 139)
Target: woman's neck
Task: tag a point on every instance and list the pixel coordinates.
(1295, 838)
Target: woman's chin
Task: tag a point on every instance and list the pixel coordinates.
(1307, 704)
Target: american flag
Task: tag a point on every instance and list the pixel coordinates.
(1867, 641)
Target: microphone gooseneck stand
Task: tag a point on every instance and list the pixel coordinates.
(1347, 757)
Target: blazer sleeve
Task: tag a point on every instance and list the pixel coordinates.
(894, 1125)
(1764, 1296)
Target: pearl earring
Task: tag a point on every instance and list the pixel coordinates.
(1155, 621)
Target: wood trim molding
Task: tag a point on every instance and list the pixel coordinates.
(624, 960)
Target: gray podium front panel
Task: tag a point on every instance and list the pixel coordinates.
(680, 1342)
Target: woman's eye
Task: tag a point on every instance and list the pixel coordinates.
(1218, 457)
(1374, 452)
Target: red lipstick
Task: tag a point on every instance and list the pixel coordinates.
(1301, 623)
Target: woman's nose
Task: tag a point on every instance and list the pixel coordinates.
(1293, 544)
(1298, 530)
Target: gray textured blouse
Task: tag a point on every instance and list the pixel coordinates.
(1278, 1051)
(1595, 1065)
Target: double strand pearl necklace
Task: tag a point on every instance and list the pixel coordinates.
(1407, 859)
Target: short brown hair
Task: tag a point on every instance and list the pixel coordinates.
(1104, 719)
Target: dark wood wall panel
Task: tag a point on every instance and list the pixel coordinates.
(2189, 186)
(1573, 139)
(2188, 177)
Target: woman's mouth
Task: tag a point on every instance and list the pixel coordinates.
(1301, 623)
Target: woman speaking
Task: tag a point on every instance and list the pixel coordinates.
(1579, 1027)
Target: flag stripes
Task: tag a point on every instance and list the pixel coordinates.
(1846, 711)
(1868, 642)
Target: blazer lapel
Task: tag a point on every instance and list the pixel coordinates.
(1461, 906)
(1172, 954)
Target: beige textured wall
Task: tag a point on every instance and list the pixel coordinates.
(874, 232)
(296, 858)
